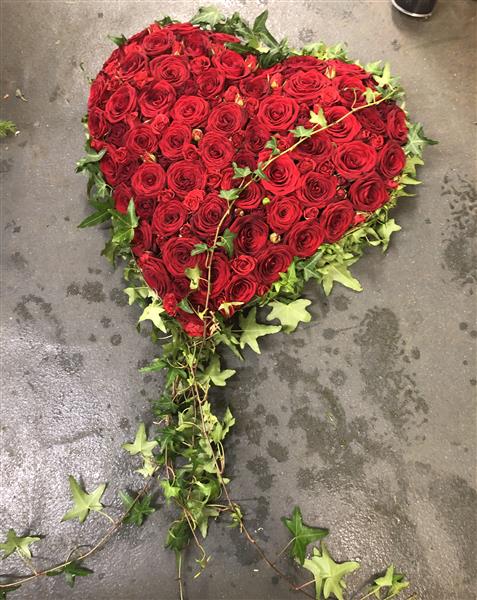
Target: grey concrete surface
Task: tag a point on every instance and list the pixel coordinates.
(365, 416)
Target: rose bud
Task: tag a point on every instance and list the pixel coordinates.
(276, 80)
(197, 135)
(266, 201)
(274, 238)
(341, 193)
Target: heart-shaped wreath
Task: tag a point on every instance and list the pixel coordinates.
(234, 169)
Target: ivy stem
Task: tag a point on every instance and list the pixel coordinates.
(179, 574)
(105, 514)
(116, 525)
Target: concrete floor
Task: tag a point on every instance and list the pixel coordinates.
(365, 416)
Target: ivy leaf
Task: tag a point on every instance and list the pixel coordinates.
(178, 536)
(318, 118)
(327, 573)
(230, 195)
(193, 274)
(7, 128)
(148, 468)
(71, 571)
(91, 157)
(385, 230)
(260, 29)
(153, 312)
(135, 293)
(272, 144)
(185, 305)
(83, 502)
(226, 241)
(119, 40)
(199, 249)
(214, 374)
(207, 15)
(302, 132)
(137, 510)
(141, 445)
(19, 544)
(170, 491)
(395, 582)
(385, 77)
(370, 95)
(3, 593)
(290, 314)
(251, 330)
(259, 172)
(302, 534)
(309, 266)
(338, 272)
(240, 172)
(100, 216)
(416, 140)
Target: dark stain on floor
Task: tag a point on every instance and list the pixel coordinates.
(91, 291)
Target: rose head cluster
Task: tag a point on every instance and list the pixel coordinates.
(175, 108)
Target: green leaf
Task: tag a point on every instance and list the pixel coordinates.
(138, 509)
(214, 374)
(199, 249)
(416, 140)
(19, 544)
(302, 132)
(12, 588)
(148, 468)
(328, 574)
(260, 29)
(71, 571)
(83, 502)
(240, 172)
(290, 314)
(394, 582)
(385, 77)
(370, 95)
(193, 273)
(230, 195)
(251, 330)
(90, 158)
(7, 128)
(170, 491)
(259, 172)
(153, 313)
(186, 306)
(95, 218)
(318, 118)
(302, 534)
(178, 536)
(118, 40)
(385, 230)
(338, 272)
(156, 365)
(207, 15)
(226, 241)
(309, 266)
(273, 145)
(141, 445)
(136, 293)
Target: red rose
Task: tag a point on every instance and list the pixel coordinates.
(351, 90)
(169, 217)
(122, 195)
(305, 85)
(156, 98)
(368, 193)
(302, 63)
(141, 139)
(117, 166)
(391, 160)
(196, 43)
(371, 120)
(226, 118)
(173, 69)
(194, 199)
(169, 303)
(118, 132)
(318, 147)
(97, 124)
(132, 65)
(155, 274)
(142, 240)
(243, 264)
(176, 253)
(148, 180)
(317, 189)
(219, 274)
(256, 87)
(122, 102)
(354, 159)
(256, 136)
(347, 128)
(97, 91)
(216, 151)
(335, 220)
(210, 83)
(396, 126)
(185, 176)
(199, 64)
(304, 238)
(277, 113)
(173, 140)
(231, 64)
(191, 324)
(250, 197)
(145, 206)
(206, 219)
(282, 176)
(191, 110)
(158, 42)
(282, 213)
(251, 234)
(273, 260)
(240, 289)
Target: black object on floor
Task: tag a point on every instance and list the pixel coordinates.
(415, 8)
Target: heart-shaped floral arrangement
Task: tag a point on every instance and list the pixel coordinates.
(234, 169)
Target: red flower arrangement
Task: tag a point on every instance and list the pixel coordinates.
(183, 118)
